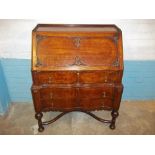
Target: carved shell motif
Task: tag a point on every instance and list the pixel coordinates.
(78, 62)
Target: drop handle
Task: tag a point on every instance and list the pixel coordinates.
(104, 95)
(50, 80)
(51, 95)
(77, 42)
(105, 79)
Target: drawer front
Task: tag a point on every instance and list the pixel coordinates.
(96, 98)
(96, 92)
(100, 77)
(59, 104)
(66, 77)
(58, 98)
(74, 50)
(55, 77)
(70, 98)
(58, 93)
(96, 104)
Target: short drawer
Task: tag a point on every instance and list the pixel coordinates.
(96, 92)
(58, 104)
(100, 77)
(54, 77)
(96, 104)
(57, 93)
(58, 98)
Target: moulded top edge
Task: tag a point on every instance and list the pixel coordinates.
(76, 28)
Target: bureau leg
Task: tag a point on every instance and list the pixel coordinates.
(114, 115)
(38, 116)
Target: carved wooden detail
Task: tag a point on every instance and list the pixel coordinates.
(116, 63)
(39, 116)
(77, 41)
(78, 62)
(77, 68)
(114, 115)
(38, 63)
(40, 38)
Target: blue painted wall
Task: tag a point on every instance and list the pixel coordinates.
(4, 94)
(138, 80)
(18, 76)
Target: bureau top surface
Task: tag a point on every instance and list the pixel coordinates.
(76, 28)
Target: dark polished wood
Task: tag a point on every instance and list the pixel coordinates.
(76, 68)
(39, 116)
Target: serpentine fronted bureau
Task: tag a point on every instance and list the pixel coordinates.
(76, 68)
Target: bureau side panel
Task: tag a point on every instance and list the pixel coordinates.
(118, 90)
(36, 99)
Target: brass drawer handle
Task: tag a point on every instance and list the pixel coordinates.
(104, 95)
(51, 95)
(105, 79)
(77, 42)
(50, 80)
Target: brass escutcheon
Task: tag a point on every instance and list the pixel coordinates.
(104, 95)
(77, 42)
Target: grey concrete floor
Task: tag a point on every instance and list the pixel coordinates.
(135, 118)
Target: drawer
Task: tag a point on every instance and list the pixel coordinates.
(69, 98)
(57, 93)
(100, 77)
(96, 92)
(58, 98)
(55, 77)
(96, 104)
(87, 77)
(58, 104)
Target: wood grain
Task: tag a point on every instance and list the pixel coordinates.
(77, 67)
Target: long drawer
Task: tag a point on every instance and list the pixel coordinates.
(76, 97)
(72, 77)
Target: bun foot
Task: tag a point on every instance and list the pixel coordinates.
(114, 115)
(39, 116)
(41, 129)
(112, 126)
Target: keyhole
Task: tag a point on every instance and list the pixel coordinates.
(77, 42)
(104, 94)
(51, 95)
(49, 80)
(105, 79)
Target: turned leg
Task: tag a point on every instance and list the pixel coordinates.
(38, 116)
(114, 115)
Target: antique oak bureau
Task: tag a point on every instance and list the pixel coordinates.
(76, 68)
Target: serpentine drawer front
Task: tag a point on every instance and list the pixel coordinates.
(76, 68)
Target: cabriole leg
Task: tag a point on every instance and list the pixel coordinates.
(38, 116)
(114, 115)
